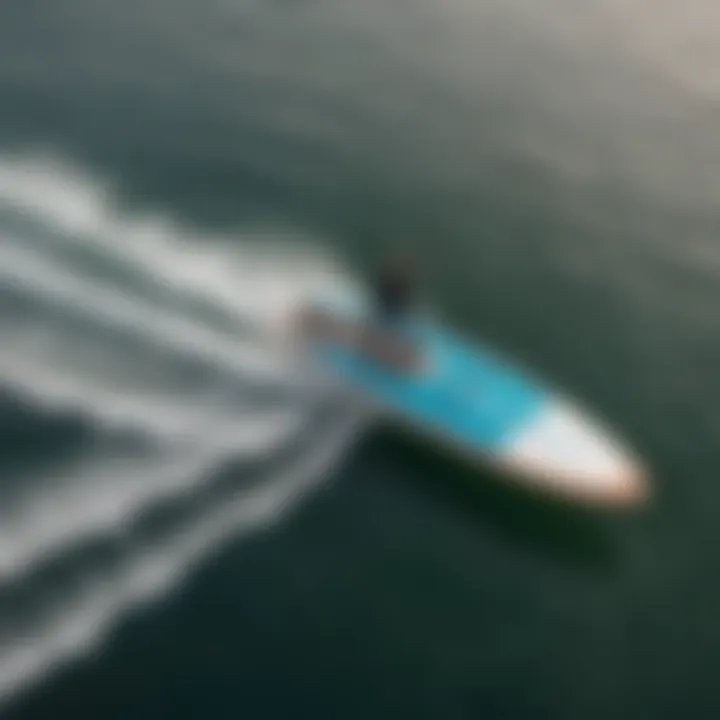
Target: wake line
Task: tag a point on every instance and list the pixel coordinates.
(115, 409)
(57, 191)
(78, 210)
(98, 500)
(35, 277)
(173, 395)
(226, 283)
(81, 624)
(166, 417)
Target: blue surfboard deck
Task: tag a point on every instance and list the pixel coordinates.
(466, 393)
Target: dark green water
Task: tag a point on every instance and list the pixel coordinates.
(554, 170)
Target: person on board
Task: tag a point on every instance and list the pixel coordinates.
(394, 289)
(388, 333)
(391, 334)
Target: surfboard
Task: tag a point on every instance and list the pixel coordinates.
(466, 395)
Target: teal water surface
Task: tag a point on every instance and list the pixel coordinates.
(187, 530)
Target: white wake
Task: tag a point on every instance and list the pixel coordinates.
(153, 338)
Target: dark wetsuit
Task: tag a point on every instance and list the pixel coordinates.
(393, 294)
(393, 334)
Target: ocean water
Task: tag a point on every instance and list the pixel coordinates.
(190, 527)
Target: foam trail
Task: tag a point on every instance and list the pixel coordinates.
(194, 318)
(58, 191)
(164, 416)
(246, 280)
(103, 499)
(112, 409)
(79, 626)
(246, 288)
(35, 276)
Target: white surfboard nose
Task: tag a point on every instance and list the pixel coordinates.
(574, 457)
